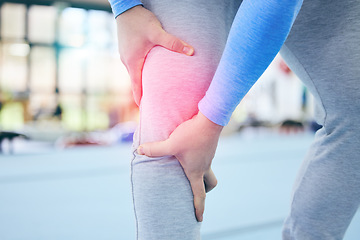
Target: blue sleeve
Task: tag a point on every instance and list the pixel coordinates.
(120, 6)
(259, 30)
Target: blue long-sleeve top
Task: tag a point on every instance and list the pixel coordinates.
(120, 6)
(259, 30)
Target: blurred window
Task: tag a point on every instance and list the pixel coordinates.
(97, 67)
(72, 27)
(41, 24)
(14, 66)
(43, 70)
(13, 21)
(60, 55)
(99, 29)
(71, 70)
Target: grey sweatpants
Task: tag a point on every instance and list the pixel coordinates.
(322, 49)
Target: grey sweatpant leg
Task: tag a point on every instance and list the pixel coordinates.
(323, 49)
(173, 84)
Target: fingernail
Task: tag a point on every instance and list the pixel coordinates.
(140, 150)
(188, 51)
(200, 218)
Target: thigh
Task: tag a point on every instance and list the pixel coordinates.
(173, 83)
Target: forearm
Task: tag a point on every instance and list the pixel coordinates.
(120, 6)
(257, 34)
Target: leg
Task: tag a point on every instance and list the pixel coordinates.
(323, 51)
(173, 84)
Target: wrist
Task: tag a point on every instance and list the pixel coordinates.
(209, 125)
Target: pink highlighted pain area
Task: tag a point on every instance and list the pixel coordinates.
(173, 84)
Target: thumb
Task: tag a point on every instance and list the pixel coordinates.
(135, 72)
(198, 189)
(155, 149)
(209, 180)
(174, 44)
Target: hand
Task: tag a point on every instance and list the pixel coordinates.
(138, 31)
(194, 144)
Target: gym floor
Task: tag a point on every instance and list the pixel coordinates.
(84, 192)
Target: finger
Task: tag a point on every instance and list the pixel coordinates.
(210, 180)
(198, 189)
(155, 149)
(174, 44)
(135, 72)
